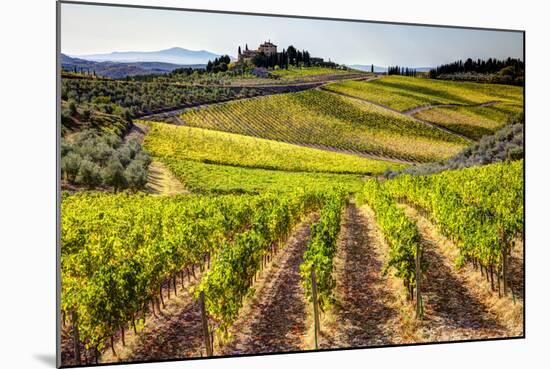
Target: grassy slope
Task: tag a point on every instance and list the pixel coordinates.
(214, 178)
(318, 117)
(474, 122)
(180, 143)
(293, 72)
(403, 93)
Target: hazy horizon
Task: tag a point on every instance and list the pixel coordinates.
(89, 29)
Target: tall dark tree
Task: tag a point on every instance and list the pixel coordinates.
(291, 51)
(307, 61)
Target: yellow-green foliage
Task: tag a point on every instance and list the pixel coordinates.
(480, 208)
(472, 121)
(319, 117)
(177, 143)
(403, 93)
(297, 72)
(214, 178)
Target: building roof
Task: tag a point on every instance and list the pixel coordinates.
(249, 52)
(268, 44)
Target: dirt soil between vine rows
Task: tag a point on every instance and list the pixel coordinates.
(274, 320)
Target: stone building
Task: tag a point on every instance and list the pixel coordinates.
(267, 48)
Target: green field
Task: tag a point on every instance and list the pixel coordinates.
(319, 117)
(295, 72)
(207, 146)
(404, 93)
(472, 121)
(214, 178)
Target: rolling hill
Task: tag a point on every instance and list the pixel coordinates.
(121, 69)
(174, 55)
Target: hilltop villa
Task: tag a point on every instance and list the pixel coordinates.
(267, 48)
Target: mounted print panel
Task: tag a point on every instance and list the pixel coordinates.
(242, 184)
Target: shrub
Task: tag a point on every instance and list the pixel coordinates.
(136, 175)
(113, 174)
(70, 164)
(91, 159)
(72, 108)
(506, 144)
(88, 174)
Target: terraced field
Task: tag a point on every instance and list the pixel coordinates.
(207, 146)
(404, 93)
(319, 117)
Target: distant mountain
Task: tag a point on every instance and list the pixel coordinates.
(174, 55)
(378, 69)
(119, 69)
(367, 68)
(422, 69)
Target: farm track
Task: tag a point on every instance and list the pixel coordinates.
(172, 112)
(277, 89)
(434, 106)
(173, 118)
(174, 332)
(136, 132)
(365, 310)
(457, 302)
(161, 181)
(423, 121)
(274, 319)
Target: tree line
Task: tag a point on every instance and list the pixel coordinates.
(492, 70)
(490, 65)
(290, 56)
(218, 64)
(400, 71)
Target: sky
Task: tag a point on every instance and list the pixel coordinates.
(89, 29)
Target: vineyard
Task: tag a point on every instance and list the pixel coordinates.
(125, 249)
(479, 208)
(294, 73)
(226, 179)
(288, 232)
(403, 93)
(320, 118)
(144, 97)
(473, 122)
(206, 146)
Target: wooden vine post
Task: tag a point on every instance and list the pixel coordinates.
(419, 309)
(504, 269)
(206, 334)
(315, 305)
(76, 338)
